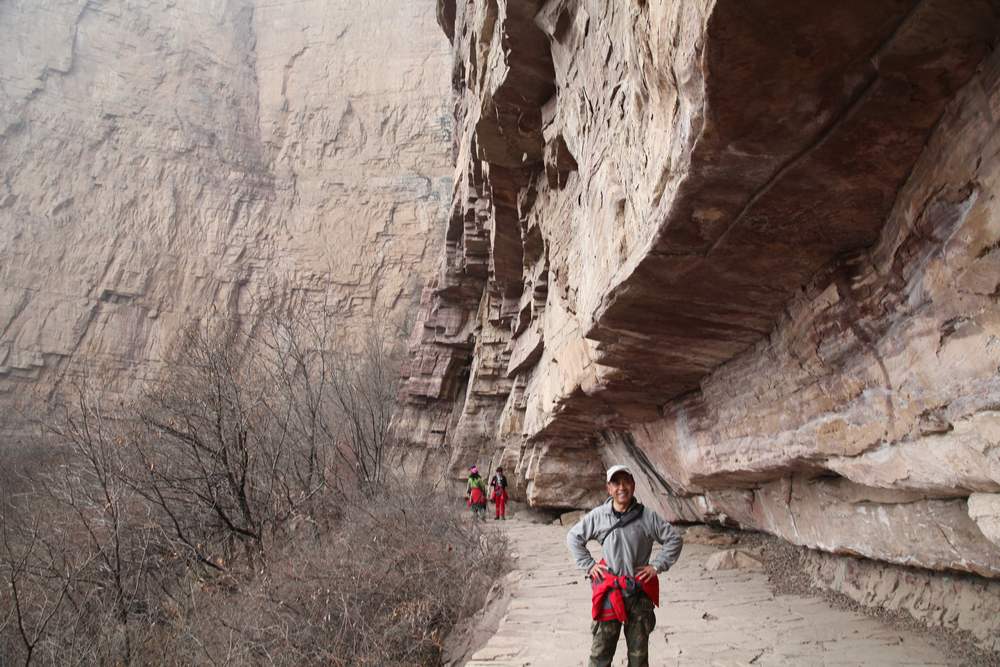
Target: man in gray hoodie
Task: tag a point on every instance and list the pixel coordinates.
(624, 584)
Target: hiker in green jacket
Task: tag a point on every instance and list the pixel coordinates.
(475, 493)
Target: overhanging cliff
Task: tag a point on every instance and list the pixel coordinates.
(748, 247)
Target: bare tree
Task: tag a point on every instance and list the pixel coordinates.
(223, 481)
(31, 610)
(365, 390)
(225, 450)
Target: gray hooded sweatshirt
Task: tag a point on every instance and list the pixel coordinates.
(625, 549)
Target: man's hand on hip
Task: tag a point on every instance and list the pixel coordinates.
(646, 573)
(597, 572)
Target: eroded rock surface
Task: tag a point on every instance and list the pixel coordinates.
(967, 603)
(732, 559)
(747, 248)
(984, 509)
(167, 162)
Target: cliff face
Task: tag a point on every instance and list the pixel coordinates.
(167, 162)
(746, 247)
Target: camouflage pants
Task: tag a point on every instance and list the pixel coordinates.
(641, 622)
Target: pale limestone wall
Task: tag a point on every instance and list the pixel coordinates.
(165, 162)
(748, 249)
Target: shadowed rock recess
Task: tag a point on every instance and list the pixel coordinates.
(749, 247)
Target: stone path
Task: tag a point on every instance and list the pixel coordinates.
(707, 618)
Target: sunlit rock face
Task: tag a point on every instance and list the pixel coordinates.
(166, 162)
(748, 248)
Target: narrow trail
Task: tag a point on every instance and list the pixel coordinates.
(706, 618)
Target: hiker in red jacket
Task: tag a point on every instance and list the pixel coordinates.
(624, 585)
(498, 493)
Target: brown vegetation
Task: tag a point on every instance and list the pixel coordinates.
(241, 511)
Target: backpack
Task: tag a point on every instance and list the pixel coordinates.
(634, 514)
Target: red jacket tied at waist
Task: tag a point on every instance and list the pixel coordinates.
(476, 497)
(609, 590)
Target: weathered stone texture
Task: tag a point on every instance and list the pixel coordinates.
(883, 371)
(167, 162)
(959, 602)
(984, 509)
(732, 559)
(748, 248)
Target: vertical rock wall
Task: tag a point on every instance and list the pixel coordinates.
(746, 247)
(166, 162)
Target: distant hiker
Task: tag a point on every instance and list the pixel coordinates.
(624, 585)
(475, 492)
(498, 492)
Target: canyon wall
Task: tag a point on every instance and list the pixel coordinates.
(169, 162)
(750, 249)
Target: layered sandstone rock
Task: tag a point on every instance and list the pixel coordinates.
(747, 248)
(952, 601)
(984, 509)
(732, 559)
(167, 162)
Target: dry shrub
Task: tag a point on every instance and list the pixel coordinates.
(384, 586)
(240, 512)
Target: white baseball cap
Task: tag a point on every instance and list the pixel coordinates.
(617, 469)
